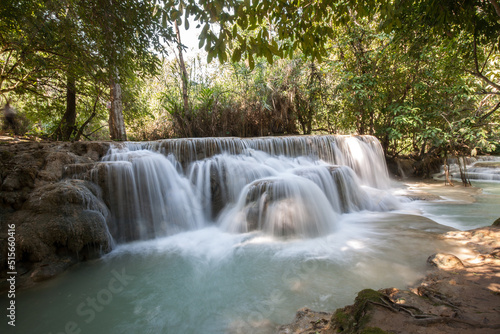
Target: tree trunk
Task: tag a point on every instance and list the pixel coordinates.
(116, 122)
(462, 166)
(361, 121)
(69, 117)
(496, 6)
(184, 73)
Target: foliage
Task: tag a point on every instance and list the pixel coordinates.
(421, 75)
(45, 45)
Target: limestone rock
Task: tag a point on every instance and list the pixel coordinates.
(55, 162)
(58, 221)
(306, 321)
(65, 216)
(445, 261)
(59, 224)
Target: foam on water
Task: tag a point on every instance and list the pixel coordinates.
(287, 186)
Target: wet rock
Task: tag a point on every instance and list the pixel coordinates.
(57, 222)
(263, 194)
(422, 196)
(400, 167)
(217, 180)
(55, 162)
(306, 321)
(91, 150)
(60, 221)
(49, 270)
(496, 222)
(445, 261)
(66, 215)
(78, 171)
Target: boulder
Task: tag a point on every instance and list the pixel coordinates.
(306, 321)
(445, 261)
(58, 221)
(60, 224)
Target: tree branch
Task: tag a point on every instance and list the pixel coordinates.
(477, 73)
(495, 108)
(496, 5)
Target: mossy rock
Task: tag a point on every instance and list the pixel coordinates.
(342, 320)
(352, 319)
(496, 223)
(362, 300)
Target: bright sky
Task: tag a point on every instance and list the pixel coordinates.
(190, 38)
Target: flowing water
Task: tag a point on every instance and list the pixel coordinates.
(235, 235)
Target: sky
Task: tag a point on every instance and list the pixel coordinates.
(190, 38)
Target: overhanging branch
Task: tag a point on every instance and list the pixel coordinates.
(477, 73)
(496, 5)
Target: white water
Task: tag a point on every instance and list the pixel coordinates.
(291, 186)
(481, 168)
(211, 281)
(290, 230)
(148, 197)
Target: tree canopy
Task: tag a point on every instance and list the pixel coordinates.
(421, 75)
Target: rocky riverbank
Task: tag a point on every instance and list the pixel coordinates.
(55, 221)
(460, 294)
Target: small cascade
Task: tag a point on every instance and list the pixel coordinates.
(485, 169)
(340, 185)
(220, 179)
(147, 196)
(283, 186)
(481, 168)
(281, 206)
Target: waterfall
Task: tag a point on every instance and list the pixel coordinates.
(364, 154)
(148, 197)
(284, 186)
(481, 168)
(485, 168)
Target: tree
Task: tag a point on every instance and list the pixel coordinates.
(279, 28)
(469, 27)
(124, 34)
(103, 39)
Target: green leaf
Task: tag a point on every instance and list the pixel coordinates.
(236, 55)
(251, 62)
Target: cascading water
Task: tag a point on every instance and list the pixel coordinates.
(148, 197)
(480, 168)
(199, 225)
(364, 154)
(485, 169)
(282, 186)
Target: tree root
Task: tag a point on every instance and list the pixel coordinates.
(447, 320)
(424, 319)
(436, 297)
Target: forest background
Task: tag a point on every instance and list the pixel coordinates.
(423, 76)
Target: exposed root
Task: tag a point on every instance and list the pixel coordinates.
(447, 320)
(435, 297)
